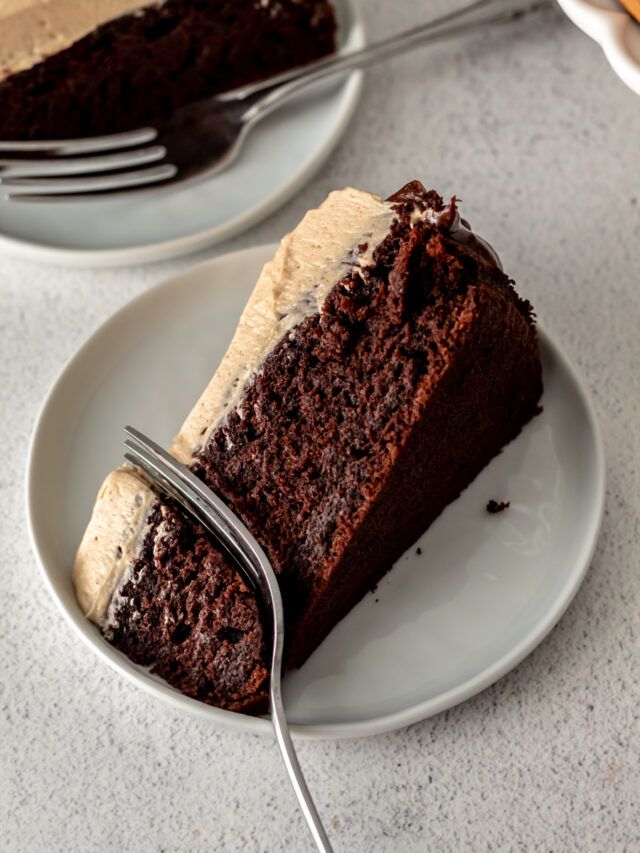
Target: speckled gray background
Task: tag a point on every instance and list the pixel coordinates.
(542, 141)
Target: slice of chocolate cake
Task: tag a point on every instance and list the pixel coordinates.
(72, 68)
(382, 360)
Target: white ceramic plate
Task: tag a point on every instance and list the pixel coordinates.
(280, 156)
(441, 626)
(606, 22)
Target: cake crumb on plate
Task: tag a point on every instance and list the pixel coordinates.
(497, 506)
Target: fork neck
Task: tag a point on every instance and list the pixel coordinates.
(263, 98)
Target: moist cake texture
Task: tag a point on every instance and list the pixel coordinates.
(383, 359)
(71, 68)
(185, 610)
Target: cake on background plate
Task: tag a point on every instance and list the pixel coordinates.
(381, 362)
(71, 68)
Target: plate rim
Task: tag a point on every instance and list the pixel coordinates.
(608, 28)
(348, 94)
(91, 637)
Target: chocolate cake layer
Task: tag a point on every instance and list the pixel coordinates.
(140, 68)
(185, 612)
(382, 361)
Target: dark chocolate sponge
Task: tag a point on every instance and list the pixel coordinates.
(187, 613)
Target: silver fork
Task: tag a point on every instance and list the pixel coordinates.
(195, 497)
(206, 137)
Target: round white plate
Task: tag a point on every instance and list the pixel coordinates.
(280, 156)
(441, 626)
(606, 22)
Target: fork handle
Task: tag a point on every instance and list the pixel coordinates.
(269, 94)
(290, 759)
(177, 481)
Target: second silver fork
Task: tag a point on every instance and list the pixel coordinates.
(206, 137)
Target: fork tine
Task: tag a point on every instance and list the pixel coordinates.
(68, 147)
(178, 482)
(179, 488)
(232, 529)
(54, 166)
(51, 189)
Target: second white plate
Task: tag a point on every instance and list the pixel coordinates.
(444, 623)
(280, 156)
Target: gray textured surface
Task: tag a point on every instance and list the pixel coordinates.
(542, 141)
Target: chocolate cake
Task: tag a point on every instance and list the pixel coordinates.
(381, 362)
(70, 68)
